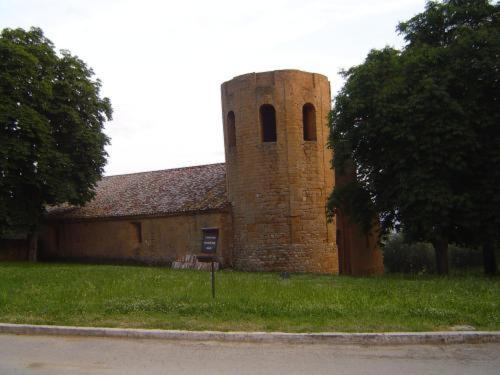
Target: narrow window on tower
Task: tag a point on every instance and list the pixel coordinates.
(231, 129)
(309, 122)
(268, 123)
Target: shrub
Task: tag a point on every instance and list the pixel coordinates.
(404, 257)
(400, 256)
(463, 258)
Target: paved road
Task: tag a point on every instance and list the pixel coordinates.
(82, 355)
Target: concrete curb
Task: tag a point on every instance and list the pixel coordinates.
(395, 338)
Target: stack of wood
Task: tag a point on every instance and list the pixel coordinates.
(190, 262)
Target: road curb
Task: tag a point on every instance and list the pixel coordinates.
(388, 338)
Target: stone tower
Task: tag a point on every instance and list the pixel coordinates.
(278, 171)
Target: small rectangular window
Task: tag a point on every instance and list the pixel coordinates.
(309, 122)
(231, 129)
(268, 123)
(138, 230)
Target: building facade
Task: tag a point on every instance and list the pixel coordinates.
(268, 200)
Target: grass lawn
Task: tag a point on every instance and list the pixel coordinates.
(151, 297)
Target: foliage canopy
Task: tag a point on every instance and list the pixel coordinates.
(422, 127)
(51, 128)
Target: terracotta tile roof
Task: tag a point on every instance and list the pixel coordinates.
(156, 193)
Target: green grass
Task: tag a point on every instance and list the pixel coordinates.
(147, 297)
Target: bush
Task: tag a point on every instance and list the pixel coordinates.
(403, 257)
(463, 258)
(400, 256)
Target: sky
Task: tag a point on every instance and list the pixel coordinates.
(161, 63)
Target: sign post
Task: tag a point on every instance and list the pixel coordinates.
(213, 280)
(209, 246)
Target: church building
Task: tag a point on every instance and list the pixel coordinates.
(267, 201)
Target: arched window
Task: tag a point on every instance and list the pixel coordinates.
(268, 123)
(231, 130)
(309, 122)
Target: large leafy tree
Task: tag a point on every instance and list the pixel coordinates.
(422, 128)
(51, 128)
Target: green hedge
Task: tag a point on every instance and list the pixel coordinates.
(400, 256)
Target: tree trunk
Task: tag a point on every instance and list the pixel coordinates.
(489, 259)
(441, 250)
(33, 246)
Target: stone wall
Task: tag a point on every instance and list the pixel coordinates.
(153, 240)
(278, 190)
(13, 249)
(359, 253)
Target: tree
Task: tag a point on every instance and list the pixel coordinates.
(422, 127)
(51, 129)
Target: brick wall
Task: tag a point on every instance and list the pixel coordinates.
(278, 190)
(359, 253)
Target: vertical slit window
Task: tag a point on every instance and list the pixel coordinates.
(138, 230)
(231, 129)
(268, 123)
(309, 122)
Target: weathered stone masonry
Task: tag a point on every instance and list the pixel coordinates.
(268, 200)
(278, 188)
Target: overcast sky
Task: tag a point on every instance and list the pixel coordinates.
(162, 62)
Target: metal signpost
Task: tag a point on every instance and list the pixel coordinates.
(209, 246)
